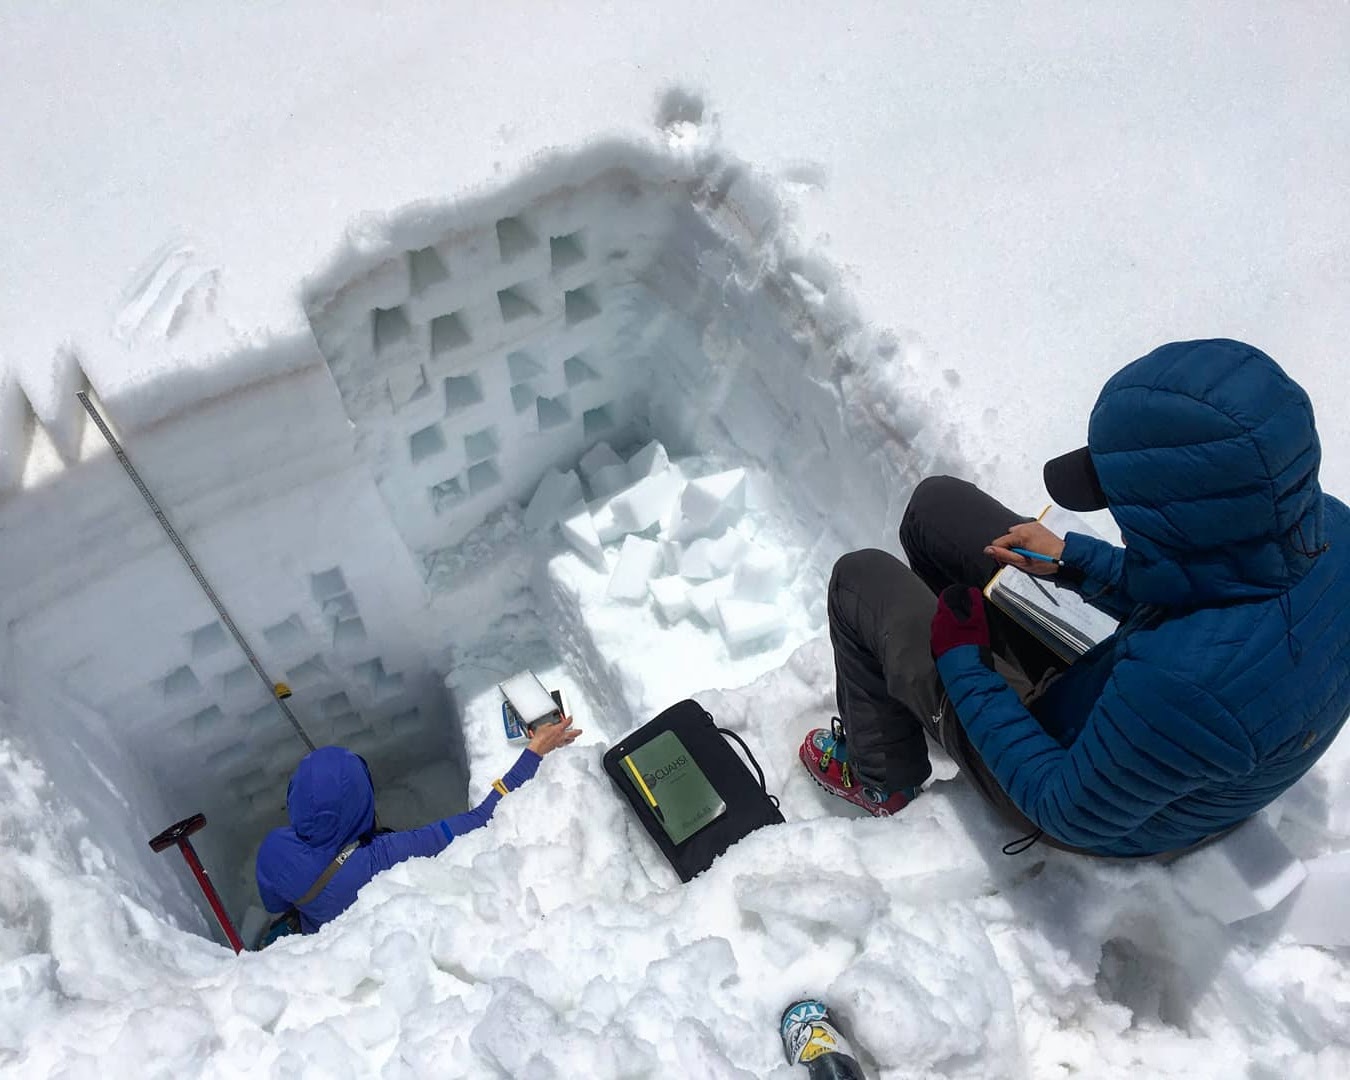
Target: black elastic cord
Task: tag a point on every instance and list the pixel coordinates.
(1022, 843)
(760, 772)
(1304, 551)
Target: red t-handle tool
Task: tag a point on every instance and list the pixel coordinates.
(178, 833)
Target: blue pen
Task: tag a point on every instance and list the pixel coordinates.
(1036, 555)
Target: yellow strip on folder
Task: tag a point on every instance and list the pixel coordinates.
(641, 783)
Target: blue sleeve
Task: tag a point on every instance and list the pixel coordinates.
(524, 769)
(1096, 573)
(1134, 757)
(392, 848)
(389, 849)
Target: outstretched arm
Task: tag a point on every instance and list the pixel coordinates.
(431, 839)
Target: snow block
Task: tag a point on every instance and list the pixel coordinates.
(648, 461)
(703, 598)
(607, 480)
(598, 457)
(760, 575)
(726, 551)
(671, 597)
(710, 503)
(1315, 914)
(646, 502)
(638, 560)
(16, 421)
(557, 493)
(579, 530)
(695, 561)
(602, 515)
(1247, 872)
(746, 620)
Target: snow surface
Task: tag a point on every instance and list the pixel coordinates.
(350, 282)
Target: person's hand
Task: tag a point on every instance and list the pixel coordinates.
(1033, 536)
(959, 620)
(548, 737)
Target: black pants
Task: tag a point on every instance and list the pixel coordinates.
(880, 612)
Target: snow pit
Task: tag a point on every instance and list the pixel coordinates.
(605, 423)
(596, 343)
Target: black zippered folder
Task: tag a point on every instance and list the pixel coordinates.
(749, 806)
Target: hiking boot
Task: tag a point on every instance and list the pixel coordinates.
(825, 755)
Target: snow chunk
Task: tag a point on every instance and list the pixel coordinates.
(1316, 913)
(578, 529)
(646, 502)
(599, 456)
(608, 479)
(638, 561)
(602, 515)
(710, 503)
(746, 620)
(557, 492)
(649, 461)
(704, 598)
(760, 575)
(671, 596)
(1249, 871)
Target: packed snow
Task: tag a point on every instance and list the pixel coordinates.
(584, 341)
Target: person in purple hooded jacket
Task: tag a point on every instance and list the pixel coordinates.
(316, 865)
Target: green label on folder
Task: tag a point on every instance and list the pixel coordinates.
(673, 785)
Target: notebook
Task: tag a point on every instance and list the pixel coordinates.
(1060, 618)
(673, 786)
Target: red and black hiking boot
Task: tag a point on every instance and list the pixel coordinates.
(825, 755)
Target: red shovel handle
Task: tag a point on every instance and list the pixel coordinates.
(178, 831)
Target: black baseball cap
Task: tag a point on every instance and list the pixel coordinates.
(1072, 481)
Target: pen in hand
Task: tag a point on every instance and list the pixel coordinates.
(1028, 554)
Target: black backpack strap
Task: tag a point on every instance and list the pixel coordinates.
(764, 785)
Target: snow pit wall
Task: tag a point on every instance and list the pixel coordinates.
(615, 294)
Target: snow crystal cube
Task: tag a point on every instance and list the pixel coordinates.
(703, 598)
(556, 493)
(695, 561)
(646, 502)
(1249, 871)
(638, 561)
(648, 461)
(579, 530)
(710, 503)
(602, 516)
(608, 479)
(670, 555)
(671, 596)
(746, 620)
(760, 575)
(1315, 914)
(726, 551)
(598, 457)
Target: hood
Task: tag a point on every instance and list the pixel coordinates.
(330, 799)
(330, 802)
(1208, 456)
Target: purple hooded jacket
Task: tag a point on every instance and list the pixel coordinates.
(331, 803)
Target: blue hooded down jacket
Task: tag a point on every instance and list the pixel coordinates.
(331, 803)
(1230, 673)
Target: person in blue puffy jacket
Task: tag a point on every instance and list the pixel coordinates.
(317, 864)
(1229, 674)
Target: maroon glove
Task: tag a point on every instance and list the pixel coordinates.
(959, 620)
